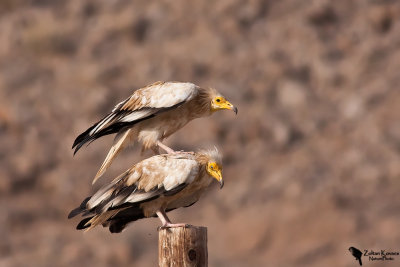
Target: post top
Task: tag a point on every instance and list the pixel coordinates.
(186, 226)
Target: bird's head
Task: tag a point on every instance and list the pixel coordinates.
(218, 102)
(213, 164)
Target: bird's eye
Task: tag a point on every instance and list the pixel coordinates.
(212, 167)
(218, 100)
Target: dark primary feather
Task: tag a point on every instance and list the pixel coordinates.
(115, 127)
(119, 195)
(82, 139)
(116, 124)
(118, 223)
(122, 219)
(130, 212)
(79, 209)
(82, 224)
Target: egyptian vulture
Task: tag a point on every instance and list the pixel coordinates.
(151, 114)
(151, 188)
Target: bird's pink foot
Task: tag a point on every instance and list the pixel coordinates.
(166, 223)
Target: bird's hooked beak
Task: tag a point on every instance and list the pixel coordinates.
(231, 107)
(221, 182)
(235, 109)
(218, 177)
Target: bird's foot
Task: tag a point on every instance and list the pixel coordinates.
(173, 225)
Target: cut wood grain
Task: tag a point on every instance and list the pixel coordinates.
(182, 246)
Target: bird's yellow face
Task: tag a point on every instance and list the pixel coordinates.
(215, 170)
(219, 103)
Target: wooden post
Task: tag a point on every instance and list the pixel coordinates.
(182, 246)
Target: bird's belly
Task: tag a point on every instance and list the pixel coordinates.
(158, 128)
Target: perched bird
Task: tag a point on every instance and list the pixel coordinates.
(151, 114)
(151, 188)
(356, 253)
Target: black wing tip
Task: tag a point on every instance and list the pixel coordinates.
(80, 139)
(80, 143)
(78, 147)
(83, 138)
(74, 212)
(82, 224)
(76, 141)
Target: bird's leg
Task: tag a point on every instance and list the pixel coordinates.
(156, 150)
(166, 223)
(170, 150)
(166, 148)
(163, 217)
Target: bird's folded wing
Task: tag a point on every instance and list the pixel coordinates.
(143, 104)
(148, 101)
(147, 180)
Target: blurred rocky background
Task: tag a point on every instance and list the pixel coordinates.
(311, 160)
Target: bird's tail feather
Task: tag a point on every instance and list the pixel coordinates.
(100, 218)
(116, 219)
(119, 144)
(359, 260)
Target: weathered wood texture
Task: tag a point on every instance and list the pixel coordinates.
(182, 246)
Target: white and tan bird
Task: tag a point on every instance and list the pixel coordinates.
(151, 114)
(151, 188)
